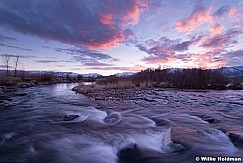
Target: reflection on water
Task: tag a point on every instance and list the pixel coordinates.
(179, 126)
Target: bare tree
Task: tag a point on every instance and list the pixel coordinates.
(6, 58)
(16, 65)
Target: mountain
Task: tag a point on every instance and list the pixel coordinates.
(91, 75)
(71, 74)
(64, 74)
(229, 71)
(172, 70)
(232, 71)
(124, 74)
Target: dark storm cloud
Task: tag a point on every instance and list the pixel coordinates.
(94, 24)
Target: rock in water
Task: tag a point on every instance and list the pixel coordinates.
(70, 117)
(20, 94)
(130, 153)
(211, 120)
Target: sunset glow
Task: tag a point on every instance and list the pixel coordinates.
(126, 35)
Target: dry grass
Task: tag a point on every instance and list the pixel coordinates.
(9, 81)
(121, 85)
(82, 88)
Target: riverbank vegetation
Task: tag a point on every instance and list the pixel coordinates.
(167, 78)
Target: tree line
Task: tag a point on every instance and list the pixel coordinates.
(195, 78)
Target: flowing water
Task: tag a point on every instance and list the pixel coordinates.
(177, 127)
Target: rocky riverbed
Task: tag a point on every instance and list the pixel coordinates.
(214, 111)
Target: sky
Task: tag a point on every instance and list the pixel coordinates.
(114, 36)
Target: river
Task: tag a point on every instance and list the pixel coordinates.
(177, 128)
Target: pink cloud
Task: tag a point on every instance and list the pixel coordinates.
(216, 30)
(198, 17)
(227, 39)
(135, 68)
(92, 24)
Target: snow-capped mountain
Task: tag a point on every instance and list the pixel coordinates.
(71, 74)
(124, 74)
(172, 70)
(232, 71)
(229, 71)
(91, 75)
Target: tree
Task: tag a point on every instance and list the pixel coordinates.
(6, 58)
(16, 65)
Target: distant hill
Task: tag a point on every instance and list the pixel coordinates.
(229, 71)
(232, 71)
(124, 74)
(64, 74)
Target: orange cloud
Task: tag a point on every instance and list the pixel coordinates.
(92, 45)
(107, 19)
(111, 17)
(132, 17)
(216, 30)
(135, 68)
(197, 18)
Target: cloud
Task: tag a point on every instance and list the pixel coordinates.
(165, 49)
(135, 68)
(47, 61)
(221, 11)
(93, 24)
(60, 66)
(202, 15)
(4, 38)
(89, 57)
(96, 63)
(20, 56)
(75, 69)
(157, 59)
(199, 16)
(4, 66)
(216, 30)
(234, 58)
(224, 40)
(15, 47)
